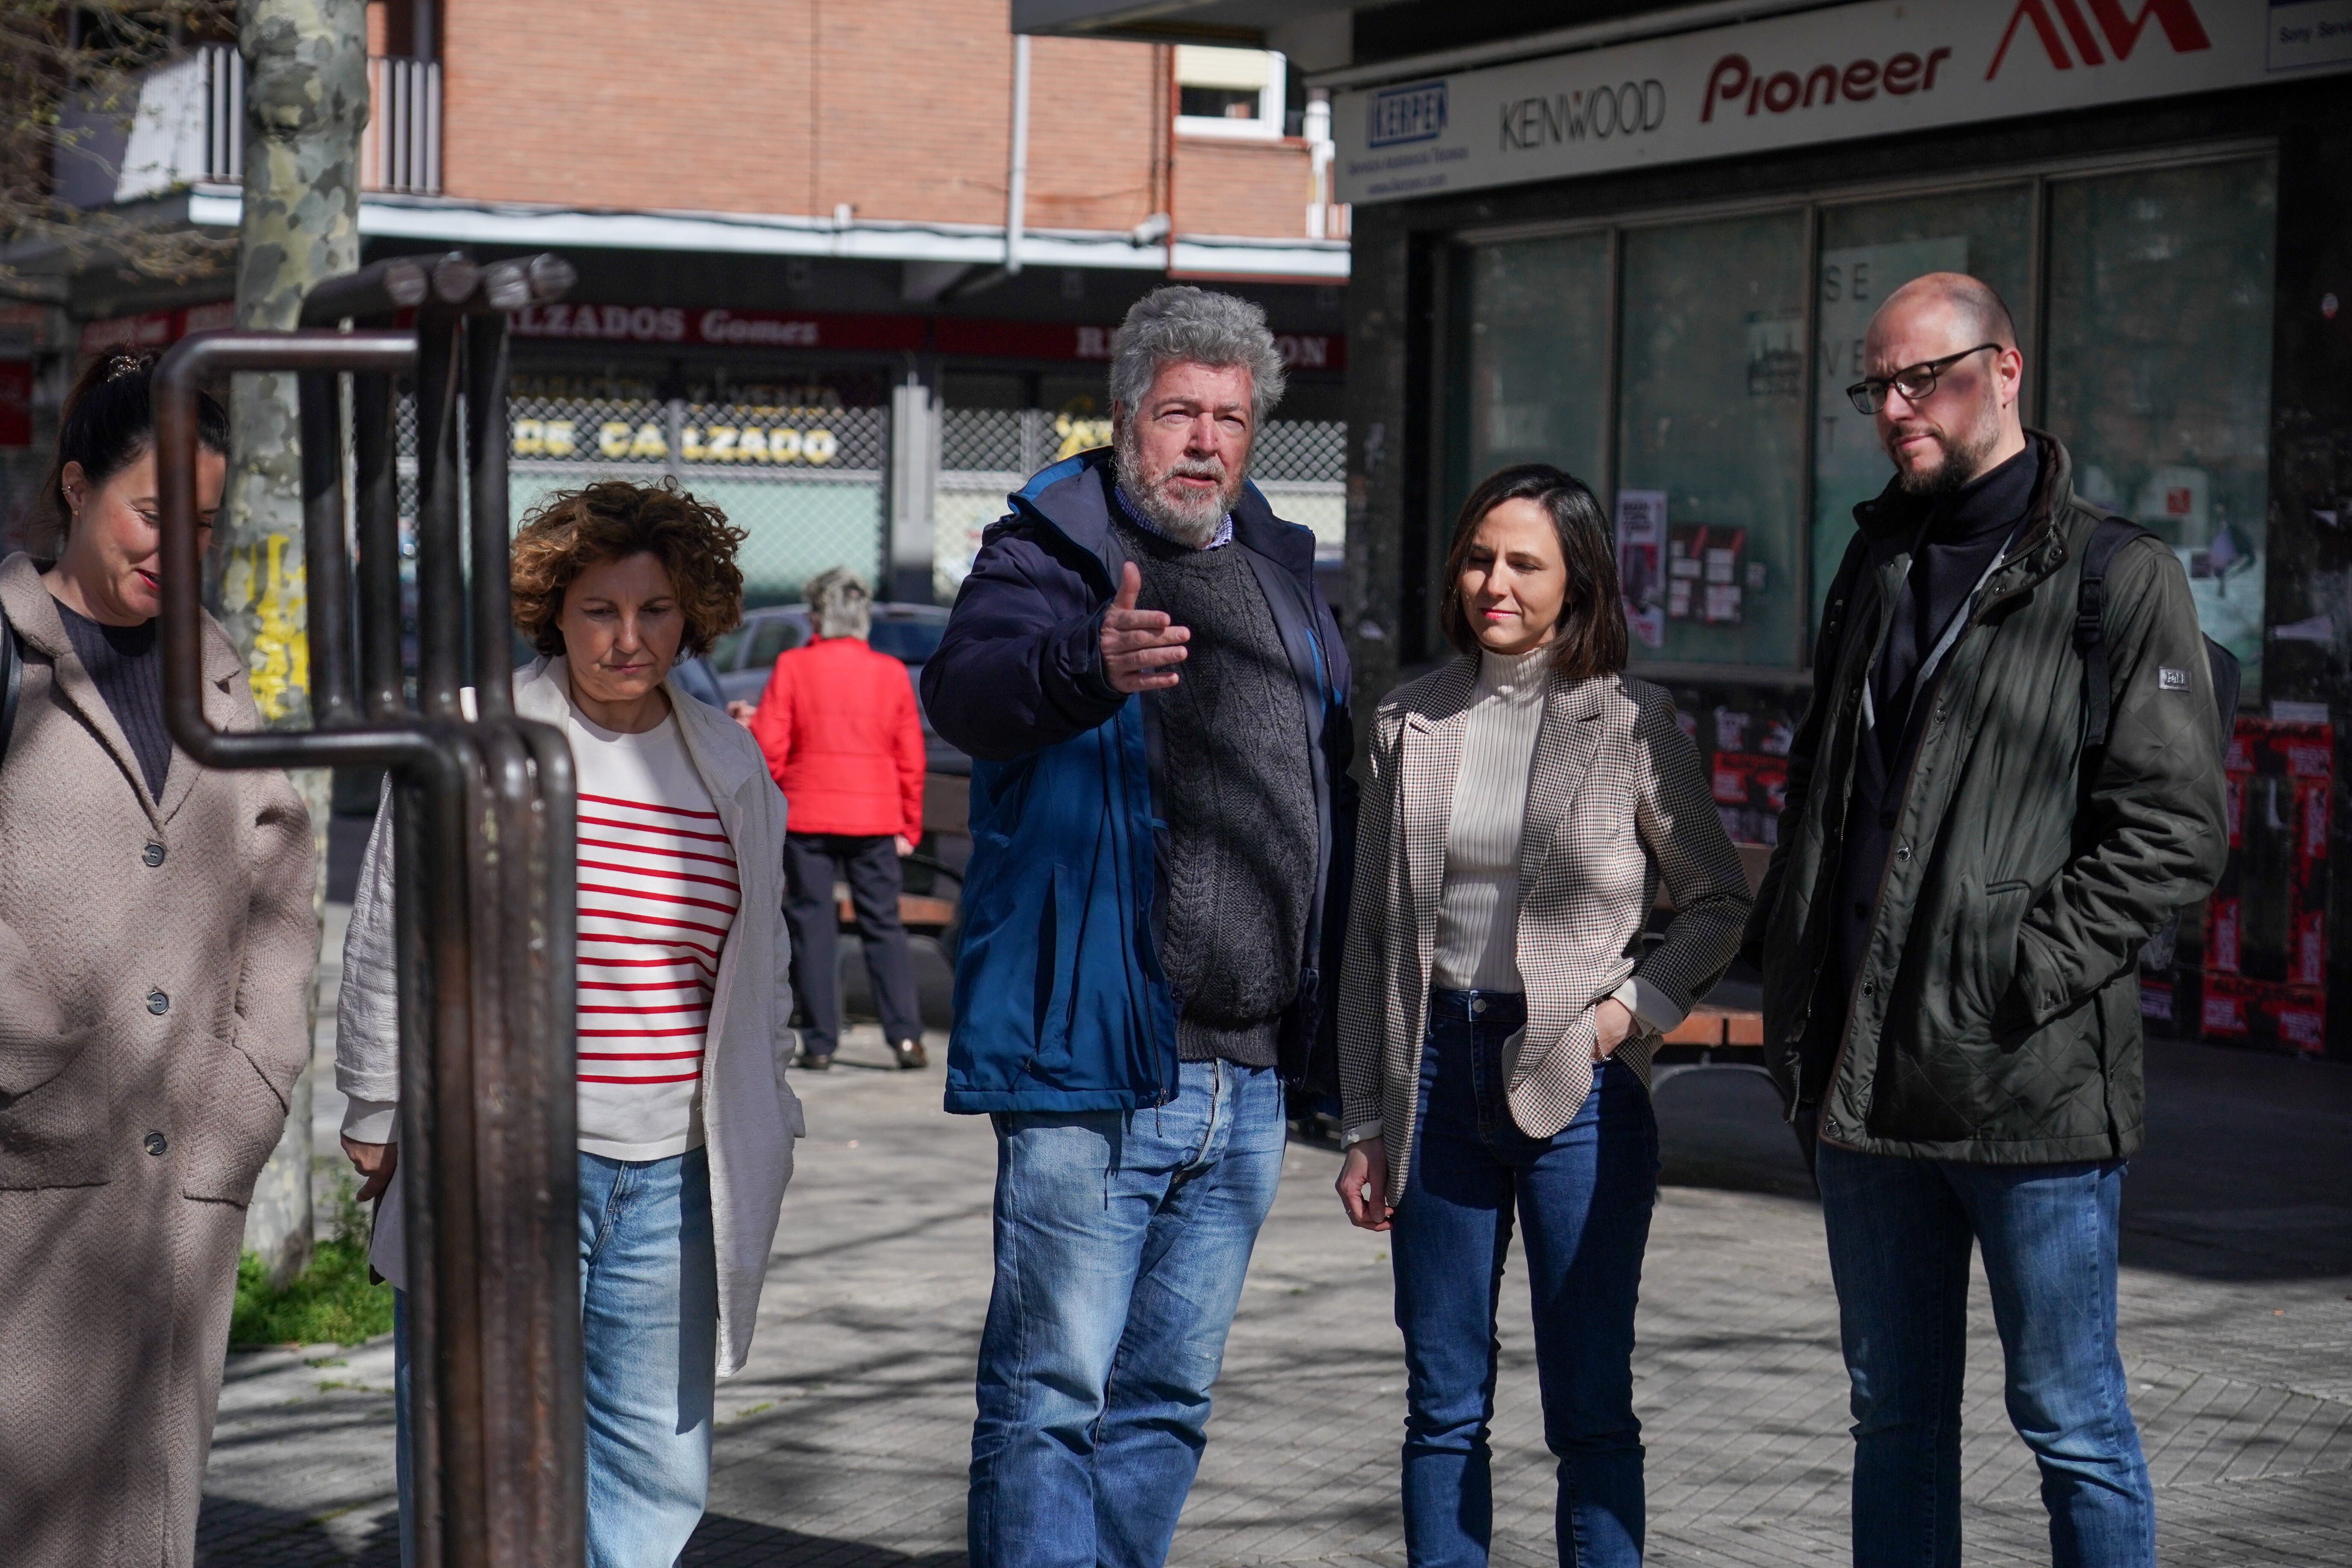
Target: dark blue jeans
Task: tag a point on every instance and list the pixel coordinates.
(1584, 1197)
(1899, 1236)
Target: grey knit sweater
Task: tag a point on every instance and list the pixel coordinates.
(1240, 798)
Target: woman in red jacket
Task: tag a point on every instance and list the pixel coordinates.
(838, 724)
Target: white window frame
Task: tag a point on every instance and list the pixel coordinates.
(1271, 107)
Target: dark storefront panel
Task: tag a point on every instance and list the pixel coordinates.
(1532, 324)
(2158, 375)
(1711, 417)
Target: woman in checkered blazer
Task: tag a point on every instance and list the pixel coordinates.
(1498, 1009)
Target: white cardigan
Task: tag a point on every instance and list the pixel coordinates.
(750, 1114)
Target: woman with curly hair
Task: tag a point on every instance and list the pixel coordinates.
(686, 1120)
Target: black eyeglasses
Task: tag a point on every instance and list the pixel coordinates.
(1916, 383)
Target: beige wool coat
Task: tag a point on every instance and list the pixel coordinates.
(155, 962)
(1616, 800)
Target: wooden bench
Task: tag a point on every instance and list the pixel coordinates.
(1714, 1035)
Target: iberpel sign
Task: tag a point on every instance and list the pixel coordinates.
(1849, 71)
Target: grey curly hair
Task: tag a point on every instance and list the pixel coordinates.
(1182, 323)
(840, 604)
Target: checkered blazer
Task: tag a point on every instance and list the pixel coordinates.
(1615, 799)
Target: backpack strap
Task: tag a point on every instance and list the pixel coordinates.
(2108, 535)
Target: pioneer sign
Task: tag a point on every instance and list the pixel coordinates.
(1878, 68)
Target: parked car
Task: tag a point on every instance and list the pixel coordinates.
(909, 633)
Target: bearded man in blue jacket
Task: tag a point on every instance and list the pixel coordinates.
(1155, 697)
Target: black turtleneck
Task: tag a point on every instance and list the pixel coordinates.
(1951, 544)
(126, 666)
(1952, 539)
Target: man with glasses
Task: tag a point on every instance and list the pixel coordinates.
(1951, 927)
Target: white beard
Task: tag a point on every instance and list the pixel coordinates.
(1179, 515)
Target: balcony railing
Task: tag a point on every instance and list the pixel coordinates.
(187, 126)
(402, 149)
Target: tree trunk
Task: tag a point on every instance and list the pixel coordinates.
(306, 101)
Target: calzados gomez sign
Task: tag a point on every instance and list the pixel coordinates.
(1878, 68)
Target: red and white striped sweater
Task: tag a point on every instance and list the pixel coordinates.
(658, 891)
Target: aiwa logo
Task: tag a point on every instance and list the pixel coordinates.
(2066, 35)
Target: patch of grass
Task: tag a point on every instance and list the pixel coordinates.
(330, 1303)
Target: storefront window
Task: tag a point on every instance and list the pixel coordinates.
(1711, 439)
(2158, 369)
(2154, 292)
(1869, 250)
(1532, 339)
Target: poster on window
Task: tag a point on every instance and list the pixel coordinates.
(1641, 574)
(1707, 576)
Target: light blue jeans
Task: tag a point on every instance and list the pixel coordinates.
(649, 1344)
(1122, 1239)
(1900, 1231)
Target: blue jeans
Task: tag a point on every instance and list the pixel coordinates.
(1121, 1241)
(1899, 1235)
(1584, 1197)
(649, 1344)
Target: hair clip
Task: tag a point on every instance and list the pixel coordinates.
(124, 364)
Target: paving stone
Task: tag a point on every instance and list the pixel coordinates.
(844, 1444)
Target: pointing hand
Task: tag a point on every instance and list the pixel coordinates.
(1140, 650)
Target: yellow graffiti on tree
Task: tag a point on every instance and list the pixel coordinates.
(280, 660)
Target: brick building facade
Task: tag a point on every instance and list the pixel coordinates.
(795, 213)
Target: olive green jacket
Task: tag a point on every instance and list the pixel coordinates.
(1996, 1016)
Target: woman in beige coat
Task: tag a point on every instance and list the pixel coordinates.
(156, 947)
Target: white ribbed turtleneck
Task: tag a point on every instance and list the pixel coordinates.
(1478, 908)
(1478, 912)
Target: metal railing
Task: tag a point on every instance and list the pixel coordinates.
(223, 69)
(187, 125)
(483, 847)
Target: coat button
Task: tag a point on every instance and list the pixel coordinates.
(1902, 853)
(153, 855)
(158, 1004)
(155, 1143)
(1869, 988)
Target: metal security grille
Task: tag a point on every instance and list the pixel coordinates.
(1302, 467)
(987, 453)
(805, 484)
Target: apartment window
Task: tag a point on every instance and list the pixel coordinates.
(1691, 367)
(1233, 93)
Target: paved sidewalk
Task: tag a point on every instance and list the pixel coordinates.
(844, 1443)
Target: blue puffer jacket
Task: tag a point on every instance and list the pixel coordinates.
(1060, 1000)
